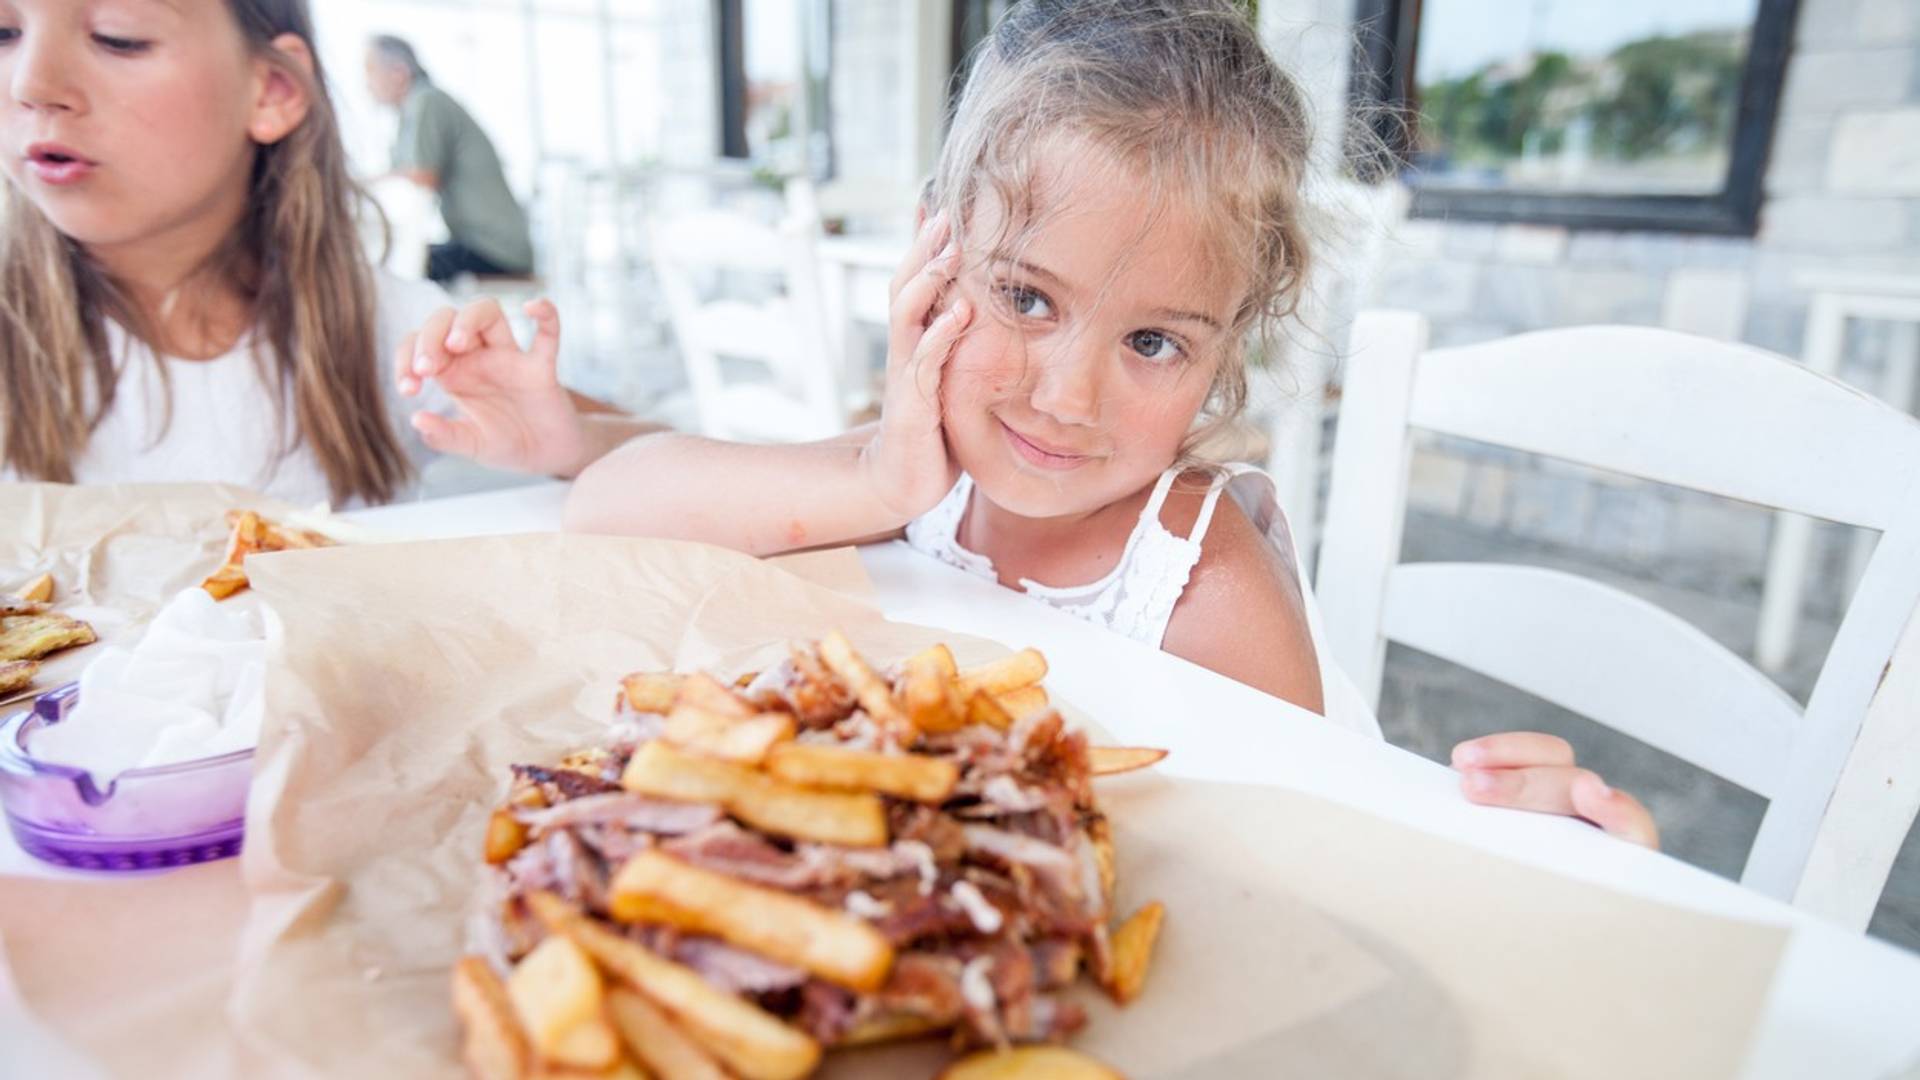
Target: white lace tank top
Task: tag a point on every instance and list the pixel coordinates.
(1138, 595)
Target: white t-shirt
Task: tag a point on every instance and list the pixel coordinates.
(225, 427)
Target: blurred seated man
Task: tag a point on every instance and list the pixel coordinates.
(441, 148)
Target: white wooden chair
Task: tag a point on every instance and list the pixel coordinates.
(786, 336)
(1726, 419)
(1837, 298)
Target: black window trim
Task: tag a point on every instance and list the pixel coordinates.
(1383, 72)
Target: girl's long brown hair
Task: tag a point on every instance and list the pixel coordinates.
(296, 256)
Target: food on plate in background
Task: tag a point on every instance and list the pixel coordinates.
(251, 535)
(29, 632)
(16, 675)
(34, 636)
(39, 590)
(824, 855)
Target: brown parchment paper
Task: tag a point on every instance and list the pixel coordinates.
(117, 553)
(1302, 939)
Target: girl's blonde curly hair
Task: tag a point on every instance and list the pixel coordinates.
(1181, 92)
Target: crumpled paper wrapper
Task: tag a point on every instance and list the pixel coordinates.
(117, 553)
(1302, 938)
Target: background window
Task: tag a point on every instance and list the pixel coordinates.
(1632, 113)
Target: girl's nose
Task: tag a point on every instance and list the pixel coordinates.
(43, 79)
(1066, 383)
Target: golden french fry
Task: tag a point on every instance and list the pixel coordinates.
(1114, 760)
(1029, 1063)
(708, 693)
(650, 693)
(37, 591)
(745, 739)
(505, 836)
(591, 1045)
(247, 536)
(1023, 702)
(746, 1038)
(1100, 832)
(623, 1069)
(838, 947)
(869, 689)
(556, 989)
(891, 1027)
(926, 689)
(584, 761)
(939, 656)
(492, 1044)
(983, 709)
(1005, 675)
(651, 1037)
(275, 537)
(1132, 950)
(226, 581)
(831, 817)
(909, 776)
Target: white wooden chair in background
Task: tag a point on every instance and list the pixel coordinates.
(785, 336)
(1837, 298)
(1726, 419)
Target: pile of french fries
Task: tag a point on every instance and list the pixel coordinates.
(586, 996)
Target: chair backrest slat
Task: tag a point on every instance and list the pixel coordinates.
(1709, 416)
(1597, 651)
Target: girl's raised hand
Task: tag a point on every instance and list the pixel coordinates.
(514, 414)
(1525, 770)
(906, 462)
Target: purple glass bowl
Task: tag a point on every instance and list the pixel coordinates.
(146, 819)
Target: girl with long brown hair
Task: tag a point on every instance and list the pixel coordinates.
(183, 294)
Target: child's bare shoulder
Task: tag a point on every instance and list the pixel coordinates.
(1242, 613)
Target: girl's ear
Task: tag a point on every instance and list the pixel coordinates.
(281, 97)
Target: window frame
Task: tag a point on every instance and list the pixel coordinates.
(1383, 72)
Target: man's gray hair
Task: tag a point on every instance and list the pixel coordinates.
(398, 51)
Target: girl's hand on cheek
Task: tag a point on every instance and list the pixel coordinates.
(907, 461)
(1529, 771)
(514, 414)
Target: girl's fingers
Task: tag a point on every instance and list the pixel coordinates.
(430, 356)
(480, 323)
(1619, 813)
(447, 435)
(1513, 749)
(403, 375)
(1545, 789)
(932, 237)
(936, 346)
(907, 321)
(546, 331)
(1567, 791)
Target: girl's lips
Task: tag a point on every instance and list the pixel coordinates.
(1044, 457)
(58, 165)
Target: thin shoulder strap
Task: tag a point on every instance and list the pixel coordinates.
(1159, 497)
(1205, 519)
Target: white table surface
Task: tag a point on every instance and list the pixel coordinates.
(1843, 1006)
